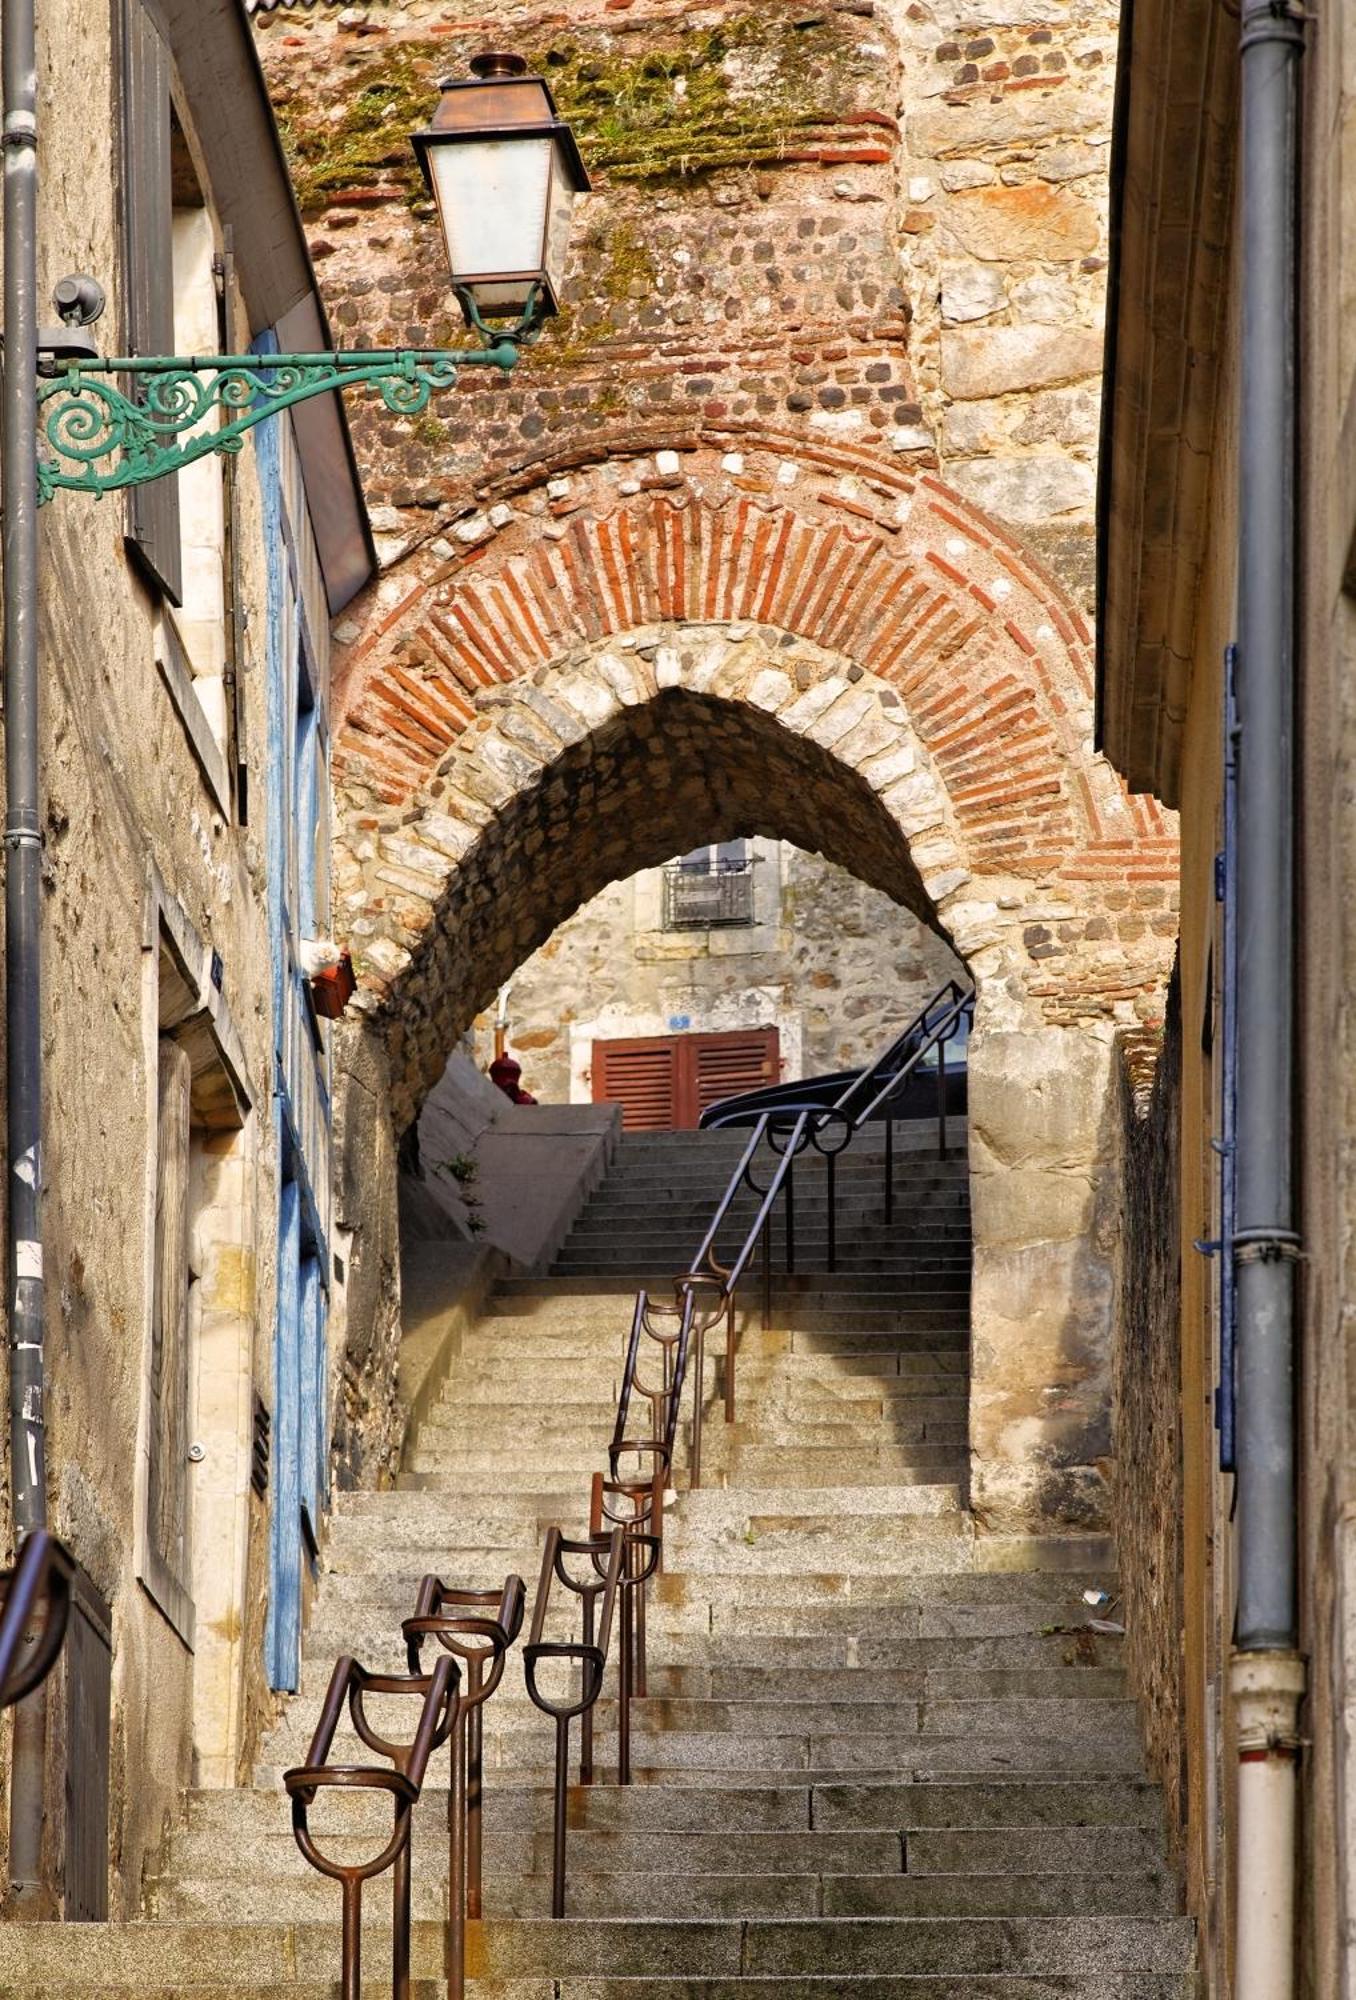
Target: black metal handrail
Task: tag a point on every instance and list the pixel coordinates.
(350, 1684)
(42, 1578)
(478, 1627)
(801, 1119)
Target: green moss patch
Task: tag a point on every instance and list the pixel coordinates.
(686, 103)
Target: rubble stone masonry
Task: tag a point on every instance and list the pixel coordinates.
(784, 528)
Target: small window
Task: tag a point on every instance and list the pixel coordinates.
(710, 888)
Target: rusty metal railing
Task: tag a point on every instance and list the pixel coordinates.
(350, 1684)
(39, 1585)
(478, 1627)
(586, 1656)
(636, 1506)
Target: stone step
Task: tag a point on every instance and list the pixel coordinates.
(229, 1957)
(923, 1986)
(722, 1757)
(929, 1458)
(858, 1220)
(860, 1399)
(680, 1728)
(681, 1222)
(581, 1336)
(711, 1662)
(1001, 1802)
(491, 1376)
(307, 1897)
(236, 1853)
(836, 1947)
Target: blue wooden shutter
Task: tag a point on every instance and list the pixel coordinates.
(284, 1609)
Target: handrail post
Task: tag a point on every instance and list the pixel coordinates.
(475, 1787)
(439, 1719)
(767, 1273)
(352, 1947)
(694, 1471)
(457, 1884)
(559, 1815)
(590, 1657)
(586, 1720)
(625, 1672)
(791, 1218)
(941, 1099)
(831, 1170)
(456, 1620)
(401, 1914)
(889, 1163)
(730, 1358)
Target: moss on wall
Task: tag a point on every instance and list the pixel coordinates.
(689, 102)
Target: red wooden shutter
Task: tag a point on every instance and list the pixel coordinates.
(642, 1077)
(725, 1065)
(664, 1082)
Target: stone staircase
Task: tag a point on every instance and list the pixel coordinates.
(880, 1756)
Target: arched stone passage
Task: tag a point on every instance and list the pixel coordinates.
(883, 678)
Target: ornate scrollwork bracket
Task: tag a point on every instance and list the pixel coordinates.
(97, 436)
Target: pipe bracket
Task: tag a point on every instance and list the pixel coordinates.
(1268, 1246)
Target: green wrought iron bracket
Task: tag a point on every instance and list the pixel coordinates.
(98, 438)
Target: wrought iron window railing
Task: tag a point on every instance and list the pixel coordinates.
(698, 899)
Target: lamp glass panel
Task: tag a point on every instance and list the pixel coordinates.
(560, 212)
(492, 198)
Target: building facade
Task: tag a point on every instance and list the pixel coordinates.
(1176, 704)
(184, 752)
(727, 943)
(784, 532)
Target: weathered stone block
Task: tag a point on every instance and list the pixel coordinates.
(994, 361)
(1008, 224)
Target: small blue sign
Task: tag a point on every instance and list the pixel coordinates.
(680, 1021)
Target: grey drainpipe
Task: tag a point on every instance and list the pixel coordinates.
(1267, 1673)
(23, 885)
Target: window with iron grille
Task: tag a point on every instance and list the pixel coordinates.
(712, 887)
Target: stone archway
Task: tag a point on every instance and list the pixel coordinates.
(862, 665)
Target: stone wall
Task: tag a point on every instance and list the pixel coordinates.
(837, 969)
(786, 526)
(1148, 1412)
(867, 222)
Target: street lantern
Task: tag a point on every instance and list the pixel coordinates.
(504, 170)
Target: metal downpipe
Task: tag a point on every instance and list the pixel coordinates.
(23, 871)
(1267, 1679)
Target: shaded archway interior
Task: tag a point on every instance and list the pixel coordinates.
(645, 785)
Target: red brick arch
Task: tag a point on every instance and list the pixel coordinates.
(870, 578)
(546, 696)
(910, 582)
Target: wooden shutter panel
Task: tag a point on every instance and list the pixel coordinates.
(728, 1064)
(167, 1524)
(641, 1076)
(153, 510)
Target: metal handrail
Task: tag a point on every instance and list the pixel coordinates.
(588, 1653)
(643, 1501)
(460, 1622)
(351, 1683)
(956, 999)
(625, 1547)
(666, 1400)
(789, 1128)
(45, 1572)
